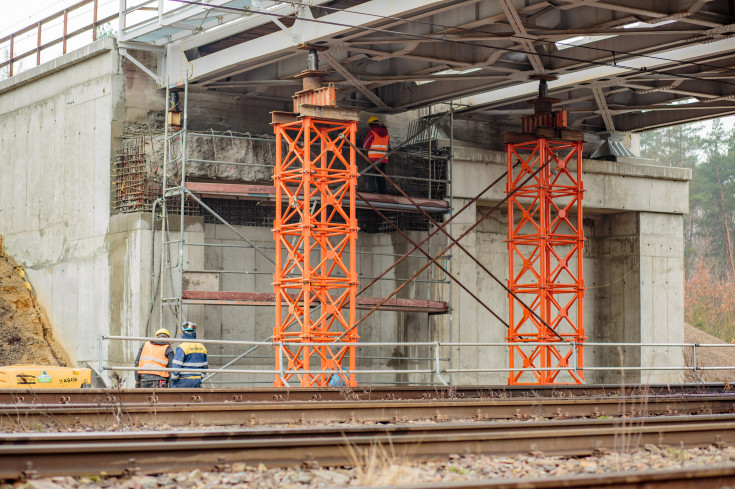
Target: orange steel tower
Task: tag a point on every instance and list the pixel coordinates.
(315, 229)
(545, 242)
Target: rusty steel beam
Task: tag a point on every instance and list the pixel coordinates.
(269, 299)
(326, 446)
(243, 394)
(268, 192)
(696, 478)
(26, 417)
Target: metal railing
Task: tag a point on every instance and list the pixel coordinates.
(435, 360)
(44, 27)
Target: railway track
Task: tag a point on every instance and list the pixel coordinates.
(28, 455)
(87, 396)
(109, 412)
(717, 477)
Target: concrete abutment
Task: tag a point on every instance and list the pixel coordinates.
(61, 125)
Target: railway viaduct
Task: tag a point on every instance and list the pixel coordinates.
(76, 211)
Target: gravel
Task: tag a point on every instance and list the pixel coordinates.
(380, 468)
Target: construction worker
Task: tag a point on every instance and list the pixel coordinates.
(376, 143)
(189, 355)
(154, 354)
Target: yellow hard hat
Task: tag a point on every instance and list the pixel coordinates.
(162, 331)
(373, 119)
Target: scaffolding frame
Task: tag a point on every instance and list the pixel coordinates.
(545, 246)
(167, 280)
(174, 248)
(315, 220)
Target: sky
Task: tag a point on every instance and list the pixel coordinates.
(16, 15)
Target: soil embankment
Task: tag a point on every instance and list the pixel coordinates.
(25, 332)
(707, 357)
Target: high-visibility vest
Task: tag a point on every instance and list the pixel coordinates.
(379, 147)
(153, 356)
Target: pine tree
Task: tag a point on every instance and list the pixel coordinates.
(677, 146)
(673, 146)
(712, 201)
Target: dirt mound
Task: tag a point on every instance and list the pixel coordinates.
(25, 332)
(707, 357)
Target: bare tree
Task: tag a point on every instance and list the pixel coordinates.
(4, 56)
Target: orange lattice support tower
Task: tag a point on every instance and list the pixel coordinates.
(545, 243)
(315, 229)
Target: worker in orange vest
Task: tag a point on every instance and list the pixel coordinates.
(154, 354)
(376, 143)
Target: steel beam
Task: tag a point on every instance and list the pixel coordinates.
(239, 26)
(354, 81)
(515, 22)
(640, 64)
(276, 43)
(227, 298)
(604, 110)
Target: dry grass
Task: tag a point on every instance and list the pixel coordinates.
(632, 411)
(378, 465)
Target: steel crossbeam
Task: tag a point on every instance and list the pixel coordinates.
(545, 243)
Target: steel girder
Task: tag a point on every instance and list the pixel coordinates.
(394, 56)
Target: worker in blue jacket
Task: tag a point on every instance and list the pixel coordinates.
(189, 355)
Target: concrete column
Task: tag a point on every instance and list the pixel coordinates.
(612, 299)
(635, 282)
(493, 252)
(661, 293)
(471, 322)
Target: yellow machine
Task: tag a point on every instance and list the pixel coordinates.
(40, 377)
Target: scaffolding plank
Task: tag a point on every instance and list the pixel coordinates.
(268, 193)
(225, 298)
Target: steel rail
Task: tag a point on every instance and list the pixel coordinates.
(116, 413)
(696, 478)
(73, 396)
(400, 429)
(331, 446)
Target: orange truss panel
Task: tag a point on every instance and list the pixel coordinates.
(545, 243)
(315, 230)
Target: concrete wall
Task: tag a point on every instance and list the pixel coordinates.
(662, 292)
(56, 135)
